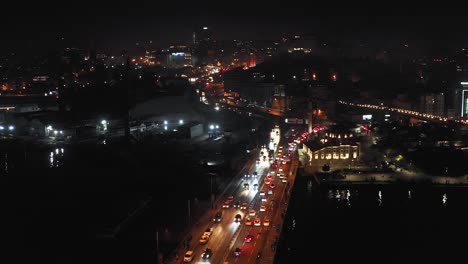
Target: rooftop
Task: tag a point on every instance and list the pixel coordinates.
(318, 144)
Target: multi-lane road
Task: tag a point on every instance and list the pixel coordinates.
(266, 189)
(274, 206)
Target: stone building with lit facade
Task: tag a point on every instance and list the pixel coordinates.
(339, 150)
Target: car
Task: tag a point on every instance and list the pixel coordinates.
(205, 236)
(269, 177)
(255, 186)
(218, 217)
(247, 175)
(188, 257)
(262, 208)
(237, 252)
(248, 221)
(257, 222)
(284, 180)
(208, 231)
(272, 185)
(243, 206)
(264, 199)
(252, 213)
(248, 238)
(266, 222)
(270, 192)
(226, 204)
(246, 186)
(254, 174)
(230, 198)
(207, 253)
(237, 204)
(204, 239)
(268, 182)
(237, 218)
(262, 193)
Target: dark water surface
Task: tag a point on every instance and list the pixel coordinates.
(353, 224)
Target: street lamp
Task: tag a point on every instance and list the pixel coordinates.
(48, 129)
(181, 122)
(210, 134)
(104, 125)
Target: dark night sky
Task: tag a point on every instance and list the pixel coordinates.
(41, 25)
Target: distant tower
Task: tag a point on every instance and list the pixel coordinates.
(205, 34)
(194, 38)
(309, 119)
(202, 46)
(252, 61)
(309, 116)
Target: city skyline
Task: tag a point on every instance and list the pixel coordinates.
(122, 27)
(227, 132)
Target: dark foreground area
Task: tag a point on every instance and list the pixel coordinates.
(96, 213)
(95, 203)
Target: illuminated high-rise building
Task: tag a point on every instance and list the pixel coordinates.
(201, 35)
(202, 43)
(461, 100)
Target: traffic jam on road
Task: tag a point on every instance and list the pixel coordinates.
(248, 212)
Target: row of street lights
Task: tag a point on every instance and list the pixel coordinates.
(51, 132)
(166, 123)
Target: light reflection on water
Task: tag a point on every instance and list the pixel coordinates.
(56, 158)
(44, 158)
(5, 164)
(417, 216)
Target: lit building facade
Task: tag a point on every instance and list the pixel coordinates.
(461, 100)
(338, 149)
(433, 104)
